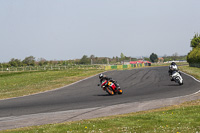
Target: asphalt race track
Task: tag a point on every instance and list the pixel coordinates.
(142, 84)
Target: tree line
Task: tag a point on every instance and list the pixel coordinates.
(174, 57)
(31, 60)
(193, 57)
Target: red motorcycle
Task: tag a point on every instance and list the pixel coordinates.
(110, 87)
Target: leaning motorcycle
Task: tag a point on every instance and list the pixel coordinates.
(111, 88)
(177, 77)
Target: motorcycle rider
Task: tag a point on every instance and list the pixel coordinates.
(173, 68)
(103, 77)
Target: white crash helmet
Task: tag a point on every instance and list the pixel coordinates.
(173, 67)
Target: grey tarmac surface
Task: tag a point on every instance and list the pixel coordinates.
(144, 88)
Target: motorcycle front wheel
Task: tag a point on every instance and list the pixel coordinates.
(109, 91)
(120, 91)
(180, 83)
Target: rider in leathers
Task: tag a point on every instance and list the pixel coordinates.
(103, 77)
(173, 68)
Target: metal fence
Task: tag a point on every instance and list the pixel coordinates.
(48, 68)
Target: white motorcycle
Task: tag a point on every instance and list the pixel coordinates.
(177, 77)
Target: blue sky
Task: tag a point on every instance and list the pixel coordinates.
(69, 29)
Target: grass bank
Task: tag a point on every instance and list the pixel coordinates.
(14, 84)
(167, 64)
(194, 71)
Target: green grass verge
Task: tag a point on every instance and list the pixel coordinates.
(14, 84)
(184, 118)
(194, 71)
(167, 64)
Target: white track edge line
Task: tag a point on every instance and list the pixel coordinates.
(194, 79)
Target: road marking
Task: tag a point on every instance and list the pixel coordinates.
(194, 79)
(191, 77)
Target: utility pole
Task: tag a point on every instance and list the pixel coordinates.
(107, 61)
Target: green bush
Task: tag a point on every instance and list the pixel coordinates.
(193, 57)
(195, 41)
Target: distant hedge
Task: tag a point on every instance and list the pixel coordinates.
(193, 57)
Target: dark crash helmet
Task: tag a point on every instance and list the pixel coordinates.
(101, 76)
(173, 63)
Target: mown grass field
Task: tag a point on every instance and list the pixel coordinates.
(14, 84)
(183, 118)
